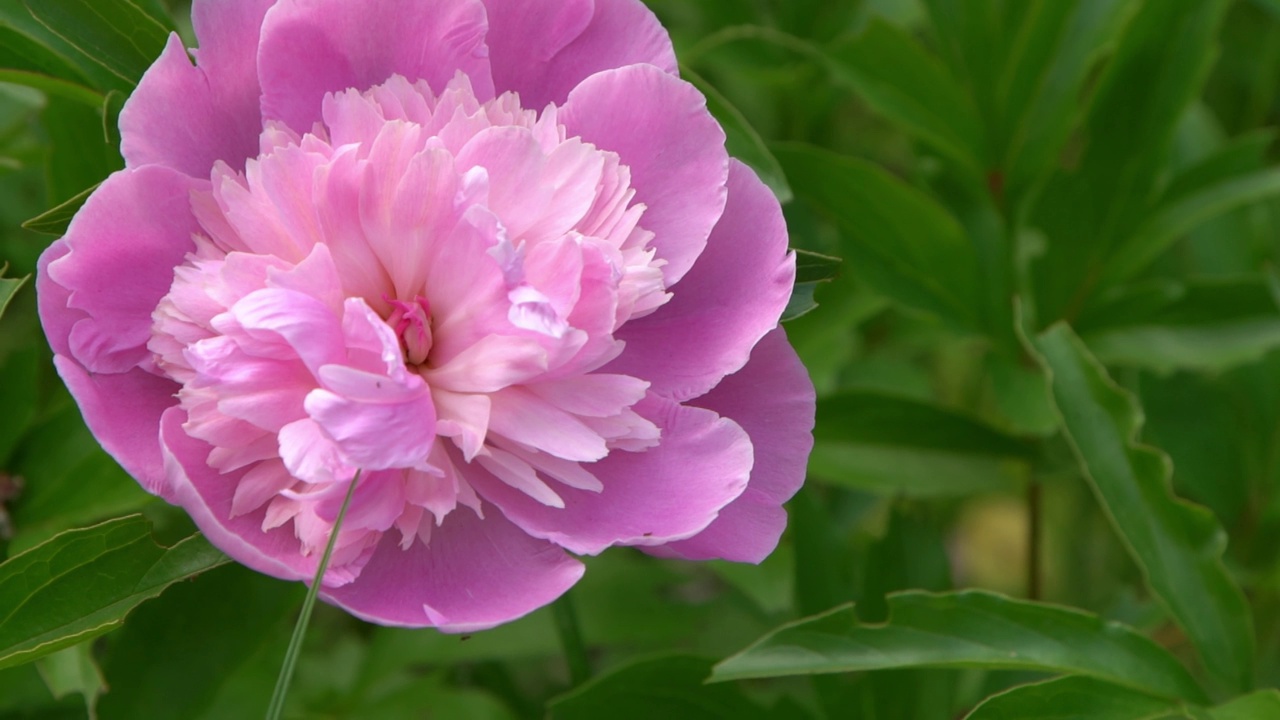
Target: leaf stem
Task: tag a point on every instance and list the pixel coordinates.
(276, 707)
(575, 651)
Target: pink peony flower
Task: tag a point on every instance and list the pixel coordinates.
(492, 255)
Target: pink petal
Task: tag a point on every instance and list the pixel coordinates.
(660, 127)
(123, 246)
(475, 574)
(56, 316)
(729, 300)
(666, 493)
(395, 429)
(772, 399)
(313, 47)
(543, 50)
(123, 412)
(208, 496)
(218, 117)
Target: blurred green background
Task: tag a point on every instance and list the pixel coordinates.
(1057, 218)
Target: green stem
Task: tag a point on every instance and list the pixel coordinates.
(575, 651)
(300, 629)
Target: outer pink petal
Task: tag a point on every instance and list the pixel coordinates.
(123, 246)
(473, 575)
(207, 496)
(187, 117)
(665, 493)
(123, 412)
(542, 50)
(658, 125)
(313, 47)
(772, 398)
(728, 301)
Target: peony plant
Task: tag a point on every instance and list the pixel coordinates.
(485, 265)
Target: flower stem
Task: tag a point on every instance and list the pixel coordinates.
(276, 707)
(571, 638)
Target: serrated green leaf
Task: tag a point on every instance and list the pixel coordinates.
(123, 36)
(82, 583)
(664, 686)
(966, 630)
(900, 80)
(1073, 698)
(9, 287)
(55, 220)
(893, 445)
(1177, 545)
(904, 244)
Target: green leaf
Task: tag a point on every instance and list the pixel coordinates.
(1084, 698)
(52, 86)
(1255, 706)
(71, 482)
(206, 649)
(1058, 46)
(83, 583)
(19, 52)
(55, 220)
(897, 78)
(969, 629)
(1177, 545)
(886, 444)
(801, 302)
(73, 671)
(124, 36)
(9, 287)
(1073, 698)
(811, 269)
(1211, 325)
(902, 242)
(79, 156)
(664, 686)
(1160, 63)
(741, 139)
(1172, 221)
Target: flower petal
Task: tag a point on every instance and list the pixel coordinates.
(208, 497)
(218, 118)
(475, 574)
(123, 412)
(666, 493)
(122, 248)
(659, 125)
(728, 301)
(780, 423)
(543, 50)
(313, 47)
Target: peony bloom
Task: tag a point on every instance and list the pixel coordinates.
(489, 254)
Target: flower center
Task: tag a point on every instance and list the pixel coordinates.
(412, 323)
